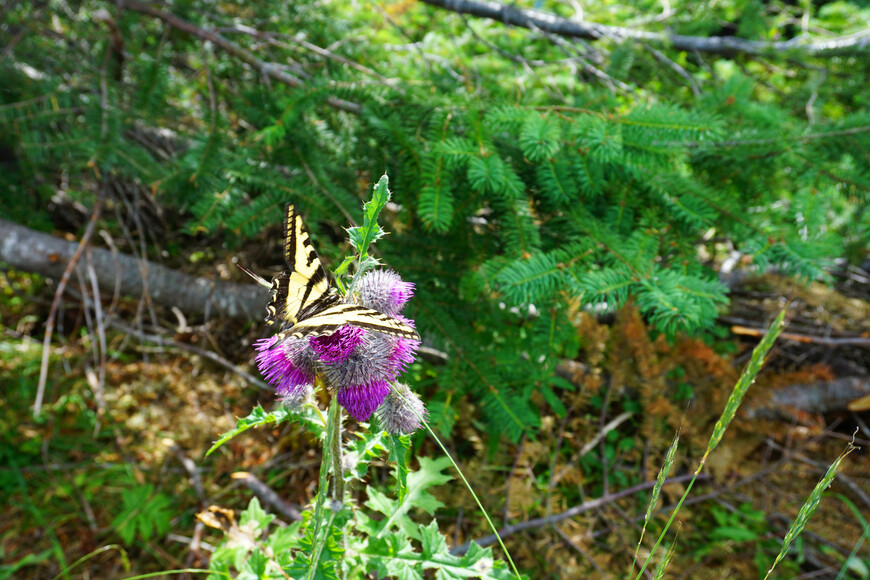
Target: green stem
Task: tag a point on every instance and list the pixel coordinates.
(464, 480)
(337, 469)
(673, 516)
(323, 488)
(476, 500)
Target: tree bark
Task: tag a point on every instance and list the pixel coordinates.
(727, 45)
(31, 251)
(834, 396)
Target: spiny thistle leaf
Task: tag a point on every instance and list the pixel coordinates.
(259, 417)
(362, 237)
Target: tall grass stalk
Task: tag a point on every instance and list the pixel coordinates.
(125, 559)
(809, 508)
(864, 537)
(465, 481)
(731, 406)
(654, 498)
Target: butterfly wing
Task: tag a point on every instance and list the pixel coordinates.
(334, 317)
(304, 289)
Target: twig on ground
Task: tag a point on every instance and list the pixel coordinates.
(268, 495)
(159, 340)
(574, 511)
(602, 433)
(861, 341)
(49, 324)
(192, 470)
(99, 321)
(577, 548)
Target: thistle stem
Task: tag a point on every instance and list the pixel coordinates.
(335, 416)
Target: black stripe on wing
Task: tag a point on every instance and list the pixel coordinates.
(290, 229)
(276, 310)
(318, 277)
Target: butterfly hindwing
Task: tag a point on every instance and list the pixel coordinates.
(331, 319)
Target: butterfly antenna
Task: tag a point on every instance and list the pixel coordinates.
(258, 279)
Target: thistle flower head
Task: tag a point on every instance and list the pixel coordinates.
(402, 412)
(384, 291)
(404, 350)
(369, 361)
(339, 345)
(362, 400)
(298, 396)
(361, 380)
(287, 365)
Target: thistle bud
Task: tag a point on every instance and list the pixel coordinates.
(402, 412)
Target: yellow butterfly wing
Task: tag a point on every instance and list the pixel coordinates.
(331, 319)
(304, 289)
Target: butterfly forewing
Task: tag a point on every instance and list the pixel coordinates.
(305, 289)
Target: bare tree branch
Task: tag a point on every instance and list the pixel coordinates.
(33, 251)
(532, 19)
(214, 357)
(268, 495)
(69, 268)
(571, 512)
(267, 69)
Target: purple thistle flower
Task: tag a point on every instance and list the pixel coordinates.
(339, 345)
(402, 412)
(369, 362)
(403, 354)
(358, 365)
(384, 291)
(380, 358)
(362, 400)
(287, 365)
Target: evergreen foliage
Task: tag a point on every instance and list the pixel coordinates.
(527, 184)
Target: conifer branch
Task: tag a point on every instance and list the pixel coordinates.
(726, 45)
(267, 69)
(770, 141)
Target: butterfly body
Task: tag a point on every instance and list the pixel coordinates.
(304, 302)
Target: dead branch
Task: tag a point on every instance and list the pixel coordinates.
(32, 251)
(861, 341)
(70, 267)
(268, 495)
(571, 512)
(820, 397)
(726, 45)
(267, 69)
(159, 340)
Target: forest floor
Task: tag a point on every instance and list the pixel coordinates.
(113, 470)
